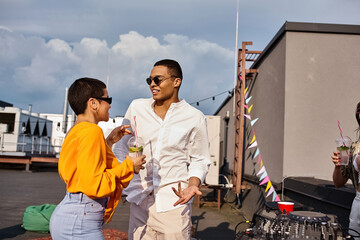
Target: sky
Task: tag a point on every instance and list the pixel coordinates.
(46, 45)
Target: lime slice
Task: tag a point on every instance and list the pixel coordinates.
(135, 149)
(343, 148)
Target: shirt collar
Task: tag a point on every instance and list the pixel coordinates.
(181, 102)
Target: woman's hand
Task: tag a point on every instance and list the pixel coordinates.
(138, 162)
(116, 134)
(336, 159)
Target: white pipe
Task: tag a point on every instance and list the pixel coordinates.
(236, 54)
(64, 125)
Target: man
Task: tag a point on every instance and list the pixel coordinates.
(175, 141)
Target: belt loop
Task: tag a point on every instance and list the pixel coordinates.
(81, 197)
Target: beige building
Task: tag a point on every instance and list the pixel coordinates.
(308, 79)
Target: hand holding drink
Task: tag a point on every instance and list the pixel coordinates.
(138, 162)
(343, 148)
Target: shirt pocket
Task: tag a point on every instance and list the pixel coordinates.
(177, 137)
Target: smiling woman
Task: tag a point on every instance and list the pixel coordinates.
(93, 176)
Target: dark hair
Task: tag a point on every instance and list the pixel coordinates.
(357, 113)
(173, 67)
(83, 89)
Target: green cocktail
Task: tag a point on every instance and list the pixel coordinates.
(135, 151)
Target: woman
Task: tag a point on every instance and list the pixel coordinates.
(93, 176)
(342, 174)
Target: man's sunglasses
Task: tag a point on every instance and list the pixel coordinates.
(156, 80)
(107, 99)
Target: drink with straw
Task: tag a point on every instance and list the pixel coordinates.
(343, 146)
(135, 150)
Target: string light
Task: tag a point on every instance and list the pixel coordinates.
(229, 92)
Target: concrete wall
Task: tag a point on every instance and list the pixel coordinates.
(322, 86)
(268, 100)
(227, 145)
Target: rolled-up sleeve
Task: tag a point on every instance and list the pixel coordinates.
(199, 152)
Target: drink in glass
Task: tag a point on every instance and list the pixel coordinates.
(135, 147)
(343, 146)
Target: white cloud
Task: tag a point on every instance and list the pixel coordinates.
(40, 75)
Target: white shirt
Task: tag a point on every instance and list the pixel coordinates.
(176, 149)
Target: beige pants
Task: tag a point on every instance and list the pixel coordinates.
(147, 224)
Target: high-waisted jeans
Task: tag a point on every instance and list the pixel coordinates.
(78, 217)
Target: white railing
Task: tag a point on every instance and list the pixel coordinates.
(34, 146)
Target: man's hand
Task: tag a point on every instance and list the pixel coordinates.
(116, 134)
(186, 194)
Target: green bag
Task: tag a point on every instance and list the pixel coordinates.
(37, 218)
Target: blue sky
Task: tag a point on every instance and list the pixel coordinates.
(46, 45)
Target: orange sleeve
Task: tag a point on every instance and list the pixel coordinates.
(97, 172)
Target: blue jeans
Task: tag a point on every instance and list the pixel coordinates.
(78, 217)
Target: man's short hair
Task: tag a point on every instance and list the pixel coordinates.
(83, 89)
(173, 67)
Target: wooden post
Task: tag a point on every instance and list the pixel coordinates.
(239, 118)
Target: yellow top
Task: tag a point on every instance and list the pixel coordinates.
(88, 165)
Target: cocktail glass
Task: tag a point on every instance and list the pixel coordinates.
(135, 147)
(343, 146)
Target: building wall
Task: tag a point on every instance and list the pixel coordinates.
(322, 86)
(227, 145)
(307, 81)
(267, 91)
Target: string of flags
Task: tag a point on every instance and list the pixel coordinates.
(264, 177)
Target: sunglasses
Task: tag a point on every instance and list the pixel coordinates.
(106, 99)
(156, 80)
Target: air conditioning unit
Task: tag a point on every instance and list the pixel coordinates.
(213, 127)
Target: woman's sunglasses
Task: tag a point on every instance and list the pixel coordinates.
(107, 99)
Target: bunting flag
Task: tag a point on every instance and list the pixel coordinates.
(248, 116)
(253, 121)
(248, 99)
(275, 197)
(271, 190)
(259, 158)
(261, 171)
(249, 109)
(268, 185)
(264, 178)
(253, 145)
(256, 153)
(253, 139)
(246, 90)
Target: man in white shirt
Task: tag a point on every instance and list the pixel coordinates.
(174, 137)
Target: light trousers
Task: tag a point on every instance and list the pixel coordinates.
(355, 216)
(78, 217)
(147, 224)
